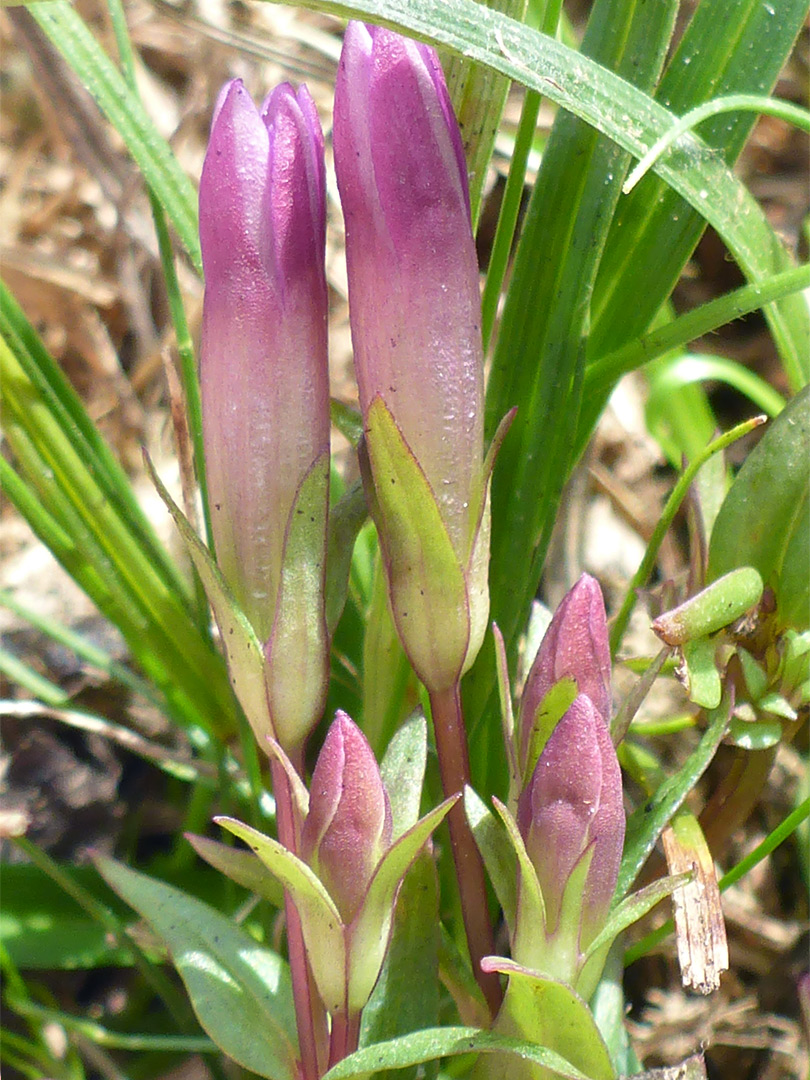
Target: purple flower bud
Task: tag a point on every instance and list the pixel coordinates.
(573, 804)
(263, 366)
(348, 827)
(575, 646)
(416, 318)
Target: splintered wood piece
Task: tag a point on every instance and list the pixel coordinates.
(700, 930)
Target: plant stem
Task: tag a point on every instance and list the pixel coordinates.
(454, 766)
(309, 1014)
(345, 1036)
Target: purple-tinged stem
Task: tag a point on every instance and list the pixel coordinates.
(309, 1013)
(345, 1036)
(454, 766)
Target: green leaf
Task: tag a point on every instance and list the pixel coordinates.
(403, 773)
(754, 734)
(548, 1013)
(320, 918)
(703, 683)
(412, 961)
(498, 854)
(241, 992)
(426, 581)
(346, 518)
(717, 605)
(161, 170)
(530, 907)
(647, 822)
(243, 867)
(633, 908)
(434, 1043)
(764, 521)
(371, 926)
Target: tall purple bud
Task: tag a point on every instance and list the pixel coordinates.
(575, 646)
(416, 314)
(570, 811)
(348, 827)
(264, 381)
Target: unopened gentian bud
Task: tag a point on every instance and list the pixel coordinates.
(575, 646)
(572, 810)
(348, 827)
(415, 314)
(264, 383)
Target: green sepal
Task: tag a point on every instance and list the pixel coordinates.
(427, 586)
(297, 651)
(551, 1014)
(548, 714)
(243, 650)
(507, 714)
(499, 857)
(630, 910)
(403, 773)
(371, 927)
(763, 521)
(704, 685)
(320, 919)
(530, 917)
(243, 867)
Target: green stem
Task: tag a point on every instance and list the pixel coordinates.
(454, 766)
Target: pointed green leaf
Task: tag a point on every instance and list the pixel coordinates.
(243, 867)
(346, 519)
(371, 928)
(320, 920)
(646, 823)
(498, 854)
(243, 651)
(530, 908)
(550, 1014)
(412, 960)
(435, 1043)
(403, 773)
(633, 908)
(426, 581)
(754, 734)
(241, 992)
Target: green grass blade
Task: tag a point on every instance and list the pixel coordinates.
(71, 36)
(539, 356)
(655, 232)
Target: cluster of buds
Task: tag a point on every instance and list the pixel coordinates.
(570, 815)
(415, 314)
(345, 880)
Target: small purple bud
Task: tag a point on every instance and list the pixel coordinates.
(348, 827)
(575, 646)
(263, 360)
(572, 803)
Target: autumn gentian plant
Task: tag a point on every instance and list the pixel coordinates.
(363, 935)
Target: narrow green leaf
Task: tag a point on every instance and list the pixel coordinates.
(403, 773)
(435, 1043)
(646, 823)
(496, 851)
(412, 961)
(763, 521)
(241, 992)
(71, 36)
